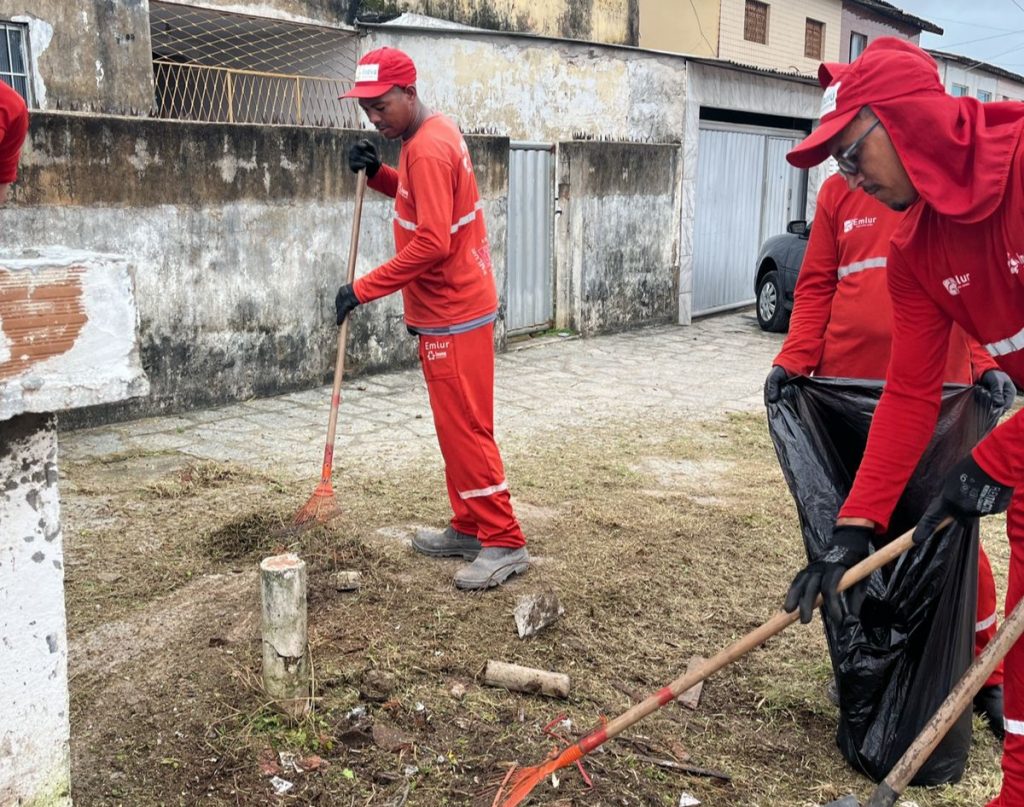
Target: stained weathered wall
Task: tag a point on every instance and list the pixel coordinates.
(609, 21)
(92, 55)
(34, 756)
(541, 90)
(239, 236)
(317, 12)
(616, 237)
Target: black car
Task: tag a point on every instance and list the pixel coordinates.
(778, 264)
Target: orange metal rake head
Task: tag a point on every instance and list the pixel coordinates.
(520, 782)
(320, 508)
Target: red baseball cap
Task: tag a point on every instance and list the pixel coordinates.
(888, 68)
(380, 70)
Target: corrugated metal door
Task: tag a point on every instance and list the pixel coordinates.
(746, 192)
(530, 305)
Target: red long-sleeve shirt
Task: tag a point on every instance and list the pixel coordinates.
(13, 127)
(443, 265)
(842, 315)
(942, 271)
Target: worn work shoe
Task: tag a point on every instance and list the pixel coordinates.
(492, 567)
(446, 543)
(989, 704)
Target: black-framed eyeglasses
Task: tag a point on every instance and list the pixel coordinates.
(847, 164)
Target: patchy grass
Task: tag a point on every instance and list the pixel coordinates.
(663, 539)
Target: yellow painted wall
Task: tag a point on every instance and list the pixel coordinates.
(594, 20)
(679, 26)
(786, 24)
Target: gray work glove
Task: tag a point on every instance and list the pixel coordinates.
(1002, 389)
(850, 545)
(363, 155)
(774, 383)
(968, 492)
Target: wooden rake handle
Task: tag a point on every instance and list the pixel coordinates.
(339, 364)
(889, 790)
(745, 644)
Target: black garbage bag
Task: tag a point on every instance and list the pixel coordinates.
(915, 636)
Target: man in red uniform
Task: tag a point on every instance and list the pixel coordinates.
(842, 327)
(443, 268)
(957, 167)
(13, 127)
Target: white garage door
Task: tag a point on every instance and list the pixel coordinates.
(746, 192)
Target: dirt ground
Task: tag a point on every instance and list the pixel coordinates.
(662, 539)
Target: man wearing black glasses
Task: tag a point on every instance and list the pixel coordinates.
(957, 167)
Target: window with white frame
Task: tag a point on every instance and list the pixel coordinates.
(14, 57)
(960, 90)
(984, 96)
(857, 44)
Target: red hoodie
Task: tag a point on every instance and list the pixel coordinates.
(948, 265)
(13, 126)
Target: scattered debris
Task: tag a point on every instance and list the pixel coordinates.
(526, 679)
(358, 713)
(686, 800)
(691, 698)
(534, 612)
(458, 690)
(390, 739)
(377, 686)
(268, 763)
(347, 580)
(281, 786)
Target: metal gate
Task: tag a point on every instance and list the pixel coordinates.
(530, 304)
(746, 192)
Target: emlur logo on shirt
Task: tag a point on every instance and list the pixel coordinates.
(864, 221)
(436, 349)
(956, 283)
(1014, 262)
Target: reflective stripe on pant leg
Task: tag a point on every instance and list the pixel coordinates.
(987, 623)
(1012, 792)
(459, 370)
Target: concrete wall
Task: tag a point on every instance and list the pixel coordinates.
(857, 19)
(35, 766)
(786, 25)
(545, 90)
(680, 27)
(90, 55)
(609, 21)
(239, 236)
(616, 236)
(317, 12)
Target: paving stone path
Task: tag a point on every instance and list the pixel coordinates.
(716, 365)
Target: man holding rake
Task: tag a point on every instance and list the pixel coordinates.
(443, 269)
(957, 167)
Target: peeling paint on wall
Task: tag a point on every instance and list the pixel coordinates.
(34, 750)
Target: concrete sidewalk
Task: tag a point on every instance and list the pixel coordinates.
(716, 365)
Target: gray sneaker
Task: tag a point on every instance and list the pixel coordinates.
(446, 543)
(492, 567)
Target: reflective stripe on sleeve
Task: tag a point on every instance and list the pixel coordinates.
(403, 223)
(468, 217)
(1014, 726)
(1009, 345)
(860, 266)
(985, 623)
(473, 494)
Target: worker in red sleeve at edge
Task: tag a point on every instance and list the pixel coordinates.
(443, 268)
(13, 127)
(957, 167)
(842, 327)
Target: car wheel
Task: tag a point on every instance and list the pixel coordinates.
(771, 313)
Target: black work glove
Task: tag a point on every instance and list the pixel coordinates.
(1000, 387)
(363, 155)
(774, 383)
(848, 548)
(345, 302)
(968, 492)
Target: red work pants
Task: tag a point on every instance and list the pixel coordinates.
(985, 624)
(459, 371)
(1012, 793)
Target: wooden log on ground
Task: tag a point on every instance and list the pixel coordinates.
(534, 612)
(526, 679)
(286, 676)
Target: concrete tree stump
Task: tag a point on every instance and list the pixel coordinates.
(286, 676)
